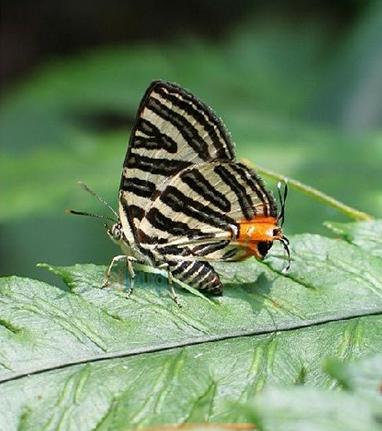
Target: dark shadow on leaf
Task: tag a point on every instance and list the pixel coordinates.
(254, 292)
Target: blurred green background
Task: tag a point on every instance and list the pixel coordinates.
(298, 83)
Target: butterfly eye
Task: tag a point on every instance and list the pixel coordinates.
(116, 232)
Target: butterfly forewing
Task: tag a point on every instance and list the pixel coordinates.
(173, 131)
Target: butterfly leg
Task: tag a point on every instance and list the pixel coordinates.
(170, 280)
(173, 294)
(130, 269)
(129, 260)
(108, 272)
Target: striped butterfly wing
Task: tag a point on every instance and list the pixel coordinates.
(173, 131)
(200, 210)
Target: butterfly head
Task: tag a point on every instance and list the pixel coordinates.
(115, 232)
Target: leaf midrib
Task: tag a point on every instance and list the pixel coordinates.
(174, 345)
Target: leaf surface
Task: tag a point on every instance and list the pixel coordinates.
(90, 356)
(367, 235)
(302, 407)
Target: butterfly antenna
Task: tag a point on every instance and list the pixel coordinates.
(83, 213)
(92, 192)
(282, 199)
(285, 242)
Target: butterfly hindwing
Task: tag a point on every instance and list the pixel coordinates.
(198, 213)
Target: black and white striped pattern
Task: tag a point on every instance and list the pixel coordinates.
(200, 275)
(173, 130)
(182, 193)
(199, 209)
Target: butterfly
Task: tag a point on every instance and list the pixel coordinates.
(184, 200)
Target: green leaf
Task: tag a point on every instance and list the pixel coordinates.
(88, 357)
(363, 377)
(366, 235)
(306, 408)
(303, 408)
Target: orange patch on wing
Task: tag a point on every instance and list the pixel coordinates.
(251, 232)
(257, 229)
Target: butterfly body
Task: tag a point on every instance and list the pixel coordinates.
(184, 200)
